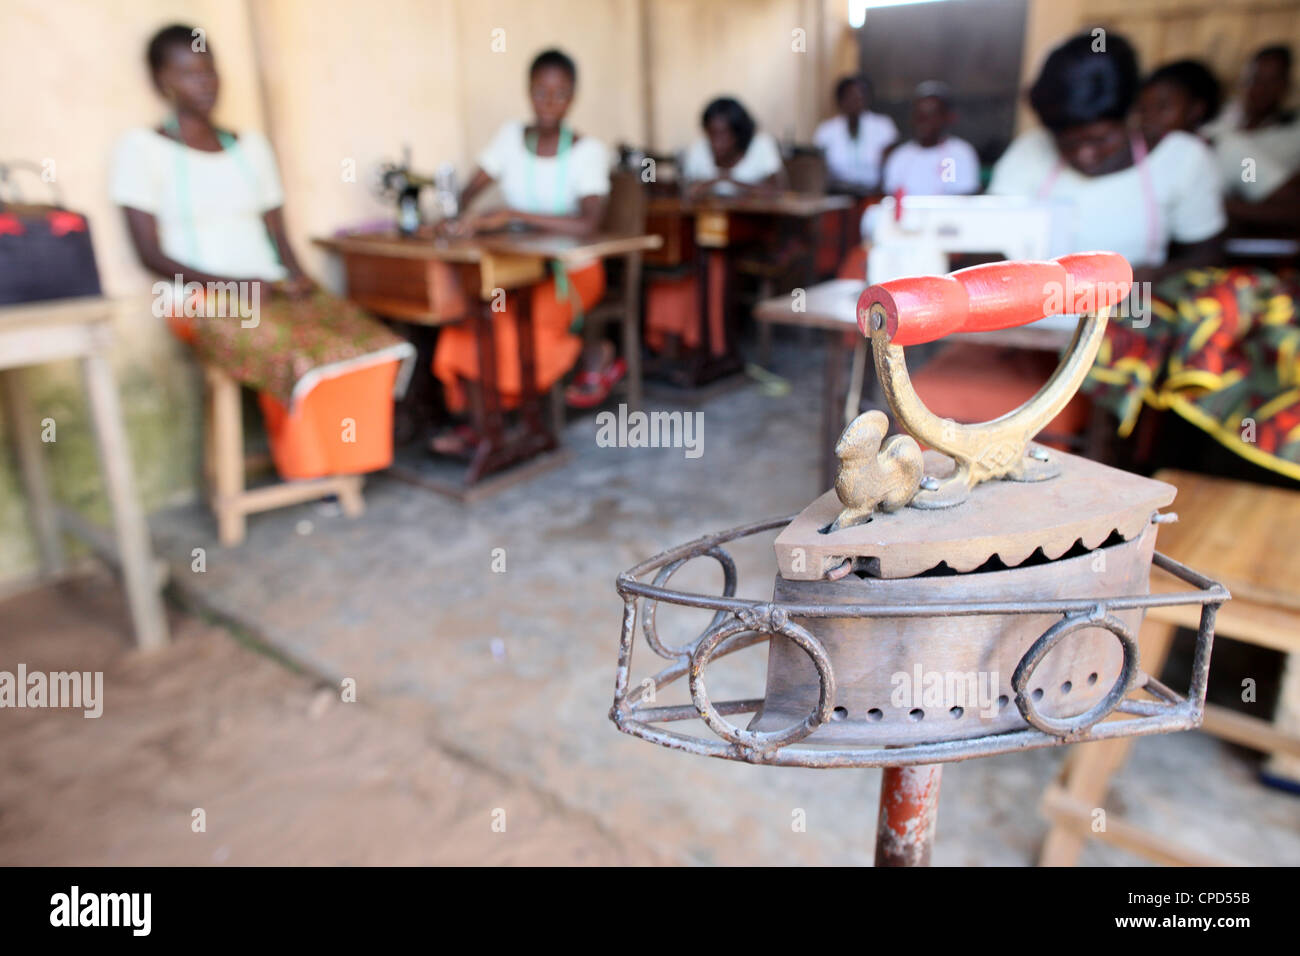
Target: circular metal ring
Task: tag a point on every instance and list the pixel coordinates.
(1070, 726)
(772, 621)
(667, 571)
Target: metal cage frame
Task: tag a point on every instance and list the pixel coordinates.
(739, 623)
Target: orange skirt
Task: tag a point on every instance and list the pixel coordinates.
(673, 310)
(556, 349)
(342, 426)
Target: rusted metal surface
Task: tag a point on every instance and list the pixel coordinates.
(909, 809)
(741, 623)
(1087, 502)
(920, 679)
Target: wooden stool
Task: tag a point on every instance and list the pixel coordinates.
(224, 464)
(1244, 536)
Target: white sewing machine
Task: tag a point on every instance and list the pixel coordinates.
(918, 240)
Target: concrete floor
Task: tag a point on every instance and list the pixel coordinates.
(514, 670)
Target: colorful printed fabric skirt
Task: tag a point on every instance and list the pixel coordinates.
(1222, 349)
(284, 347)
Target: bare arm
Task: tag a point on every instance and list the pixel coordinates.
(1182, 256)
(143, 229)
(1280, 209)
(477, 183)
(775, 183)
(275, 227)
(591, 211)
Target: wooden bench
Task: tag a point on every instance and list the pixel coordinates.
(1244, 536)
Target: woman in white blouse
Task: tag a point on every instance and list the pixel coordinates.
(733, 158)
(200, 201)
(1162, 210)
(556, 179)
(854, 141)
(204, 208)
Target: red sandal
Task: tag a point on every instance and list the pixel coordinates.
(590, 389)
(459, 441)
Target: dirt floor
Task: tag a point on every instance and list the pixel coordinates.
(485, 684)
(284, 771)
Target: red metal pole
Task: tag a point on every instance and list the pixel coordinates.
(909, 807)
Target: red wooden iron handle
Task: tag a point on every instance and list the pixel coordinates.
(998, 295)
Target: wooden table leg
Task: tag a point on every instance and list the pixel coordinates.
(1085, 776)
(128, 517)
(530, 402)
(225, 444)
(1286, 719)
(832, 407)
(490, 423)
(31, 461)
(632, 327)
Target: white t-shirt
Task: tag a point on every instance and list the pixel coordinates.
(545, 185)
(208, 206)
(1253, 162)
(1281, 141)
(949, 168)
(856, 160)
(761, 160)
(1112, 212)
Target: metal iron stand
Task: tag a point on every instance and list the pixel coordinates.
(909, 810)
(965, 567)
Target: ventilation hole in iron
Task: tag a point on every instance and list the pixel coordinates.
(839, 713)
(1037, 695)
(875, 713)
(1002, 701)
(1067, 687)
(956, 713)
(916, 713)
(1092, 678)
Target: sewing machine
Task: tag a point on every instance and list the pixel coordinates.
(917, 240)
(398, 181)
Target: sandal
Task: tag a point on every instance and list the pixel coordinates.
(458, 441)
(590, 389)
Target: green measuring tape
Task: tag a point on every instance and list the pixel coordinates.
(563, 287)
(228, 144)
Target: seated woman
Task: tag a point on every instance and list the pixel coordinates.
(855, 140)
(1257, 141)
(204, 205)
(555, 179)
(733, 158)
(932, 162)
(1183, 95)
(1161, 209)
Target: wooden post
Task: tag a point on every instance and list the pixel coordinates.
(226, 445)
(632, 328)
(1085, 776)
(31, 461)
(128, 518)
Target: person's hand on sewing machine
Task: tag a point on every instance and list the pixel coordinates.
(463, 227)
(705, 187)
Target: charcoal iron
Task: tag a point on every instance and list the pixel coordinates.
(963, 591)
